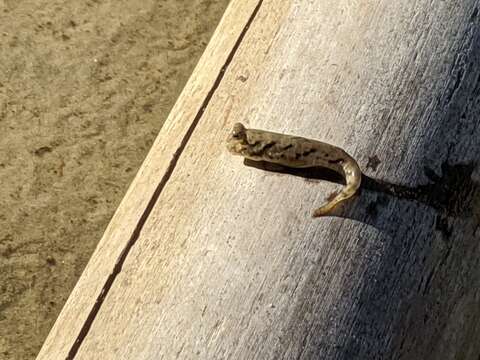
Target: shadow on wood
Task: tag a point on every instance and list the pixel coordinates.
(451, 194)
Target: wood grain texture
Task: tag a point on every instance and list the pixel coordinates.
(228, 264)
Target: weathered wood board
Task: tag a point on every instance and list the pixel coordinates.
(207, 258)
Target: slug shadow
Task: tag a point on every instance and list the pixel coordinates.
(449, 194)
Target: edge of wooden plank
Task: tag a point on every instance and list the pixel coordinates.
(78, 313)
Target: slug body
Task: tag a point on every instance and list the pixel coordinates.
(297, 152)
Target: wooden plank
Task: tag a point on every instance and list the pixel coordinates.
(229, 263)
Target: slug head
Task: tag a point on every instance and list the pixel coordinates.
(237, 140)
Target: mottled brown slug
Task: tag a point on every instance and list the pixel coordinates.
(297, 152)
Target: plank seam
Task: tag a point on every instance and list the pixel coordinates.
(151, 203)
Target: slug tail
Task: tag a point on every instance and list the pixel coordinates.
(353, 178)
